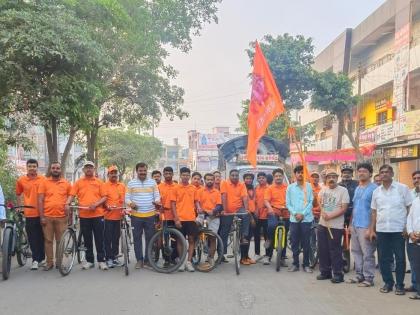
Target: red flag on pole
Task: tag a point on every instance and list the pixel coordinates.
(266, 104)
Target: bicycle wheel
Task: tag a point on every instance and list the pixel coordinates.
(81, 249)
(346, 260)
(7, 252)
(161, 247)
(66, 252)
(313, 249)
(237, 250)
(22, 252)
(279, 247)
(124, 249)
(201, 260)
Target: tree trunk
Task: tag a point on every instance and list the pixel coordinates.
(66, 152)
(51, 136)
(91, 142)
(340, 131)
(348, 131)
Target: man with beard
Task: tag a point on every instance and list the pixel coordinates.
(157, 176)
(261, 214)
(351, 185)
(209, 204)
(53, 193)
(248, 181)
(115, 196)
(334, 200)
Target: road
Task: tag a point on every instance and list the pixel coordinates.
(258, 290)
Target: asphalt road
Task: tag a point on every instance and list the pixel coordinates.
(258, 290)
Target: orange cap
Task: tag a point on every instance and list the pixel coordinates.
(112, 168)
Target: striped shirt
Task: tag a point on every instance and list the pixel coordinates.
(142, 194)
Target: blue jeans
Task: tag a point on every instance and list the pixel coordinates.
(300, 234)
(226, 224)
(390, 244)
(272, 222)
(140, 225)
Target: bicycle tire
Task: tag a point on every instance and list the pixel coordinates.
(66, 252)
(7, 252)
(199, 251)
(237, 251)
(313, 249)
(172, 232)
(81, 249)
(124, 249)
(279, 248)
(22, 251)
(346, 259)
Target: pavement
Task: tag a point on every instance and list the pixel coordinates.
(258, 289)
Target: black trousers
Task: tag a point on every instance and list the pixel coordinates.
(415, 255)
(36, 238)
(330, 251)
(261, 224)
(112, 238)
(300, 234)
(93, 227)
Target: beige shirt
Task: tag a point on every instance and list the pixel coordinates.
(332, 200)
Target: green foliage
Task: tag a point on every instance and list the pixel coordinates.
(126, 148)
(8, 175)
(290, 59)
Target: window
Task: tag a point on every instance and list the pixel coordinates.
(362, 124)
(381, 118)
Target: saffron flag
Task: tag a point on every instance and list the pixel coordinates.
(266, 104)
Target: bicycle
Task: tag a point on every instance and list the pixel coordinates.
(279, 241)
(313, 245)
(346, 248)
(15, 239)
(125, 237)
(162, 245)
(204, 246)
(71, 246)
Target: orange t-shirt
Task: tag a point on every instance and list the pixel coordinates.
(234, 194)
(29, 188)
(185, 197)
(259, 200)
(276, 196)
(89, 191)
(209, 199)
(316, 209)
(115, 196)
(251, 200)
(165, 197)
(55, 194)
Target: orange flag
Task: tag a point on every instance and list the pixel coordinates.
(266, 104)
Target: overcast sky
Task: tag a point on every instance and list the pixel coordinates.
(214, 73)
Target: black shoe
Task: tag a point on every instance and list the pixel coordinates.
(399, 291)
(323, 277)
(224, 260)
(385, 289)
(410, 289)
(337, 279)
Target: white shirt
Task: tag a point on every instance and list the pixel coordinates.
(391, 207)
(413, 219)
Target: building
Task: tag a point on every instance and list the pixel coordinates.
(203, 152)
(174, 156)
(382, 57)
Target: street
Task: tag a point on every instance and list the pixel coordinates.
(258, 290)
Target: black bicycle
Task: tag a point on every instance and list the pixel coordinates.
(126, 240)
(15, 240)
(167, 249)
(71, 244)
(208, 252)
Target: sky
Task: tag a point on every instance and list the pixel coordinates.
(214, 74)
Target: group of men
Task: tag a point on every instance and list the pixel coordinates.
(383, 215)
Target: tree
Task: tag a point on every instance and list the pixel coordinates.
(333, 93)
(290, 59)
(8, 175)
(126, 148)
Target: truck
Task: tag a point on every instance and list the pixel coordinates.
(271, 154)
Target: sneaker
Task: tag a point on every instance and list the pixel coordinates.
(337, 279)
(87, 265)
(283, 263)
(146, 265)
(410, 289)
(293, 268)
(182, 267)
(117, 263)
(189, 267)
(103, 266)
(415, 296)
(266, 260)
(307, 270)
(42, 263)
(139, 264)
(399, 291)
(110, 263)
(35, 265)
(258, 258)
(323, 277)
(224, 259)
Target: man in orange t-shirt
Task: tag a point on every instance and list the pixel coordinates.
(52, 196)
(234, 200)
(217, 179)
(249, 184)
(27, 194)
(316, 188)
(183, 198)
(196, 180)
(115, 196)
(261, 214)
(209, 204)
(91, 196)
(165, 190)
(275, 201)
